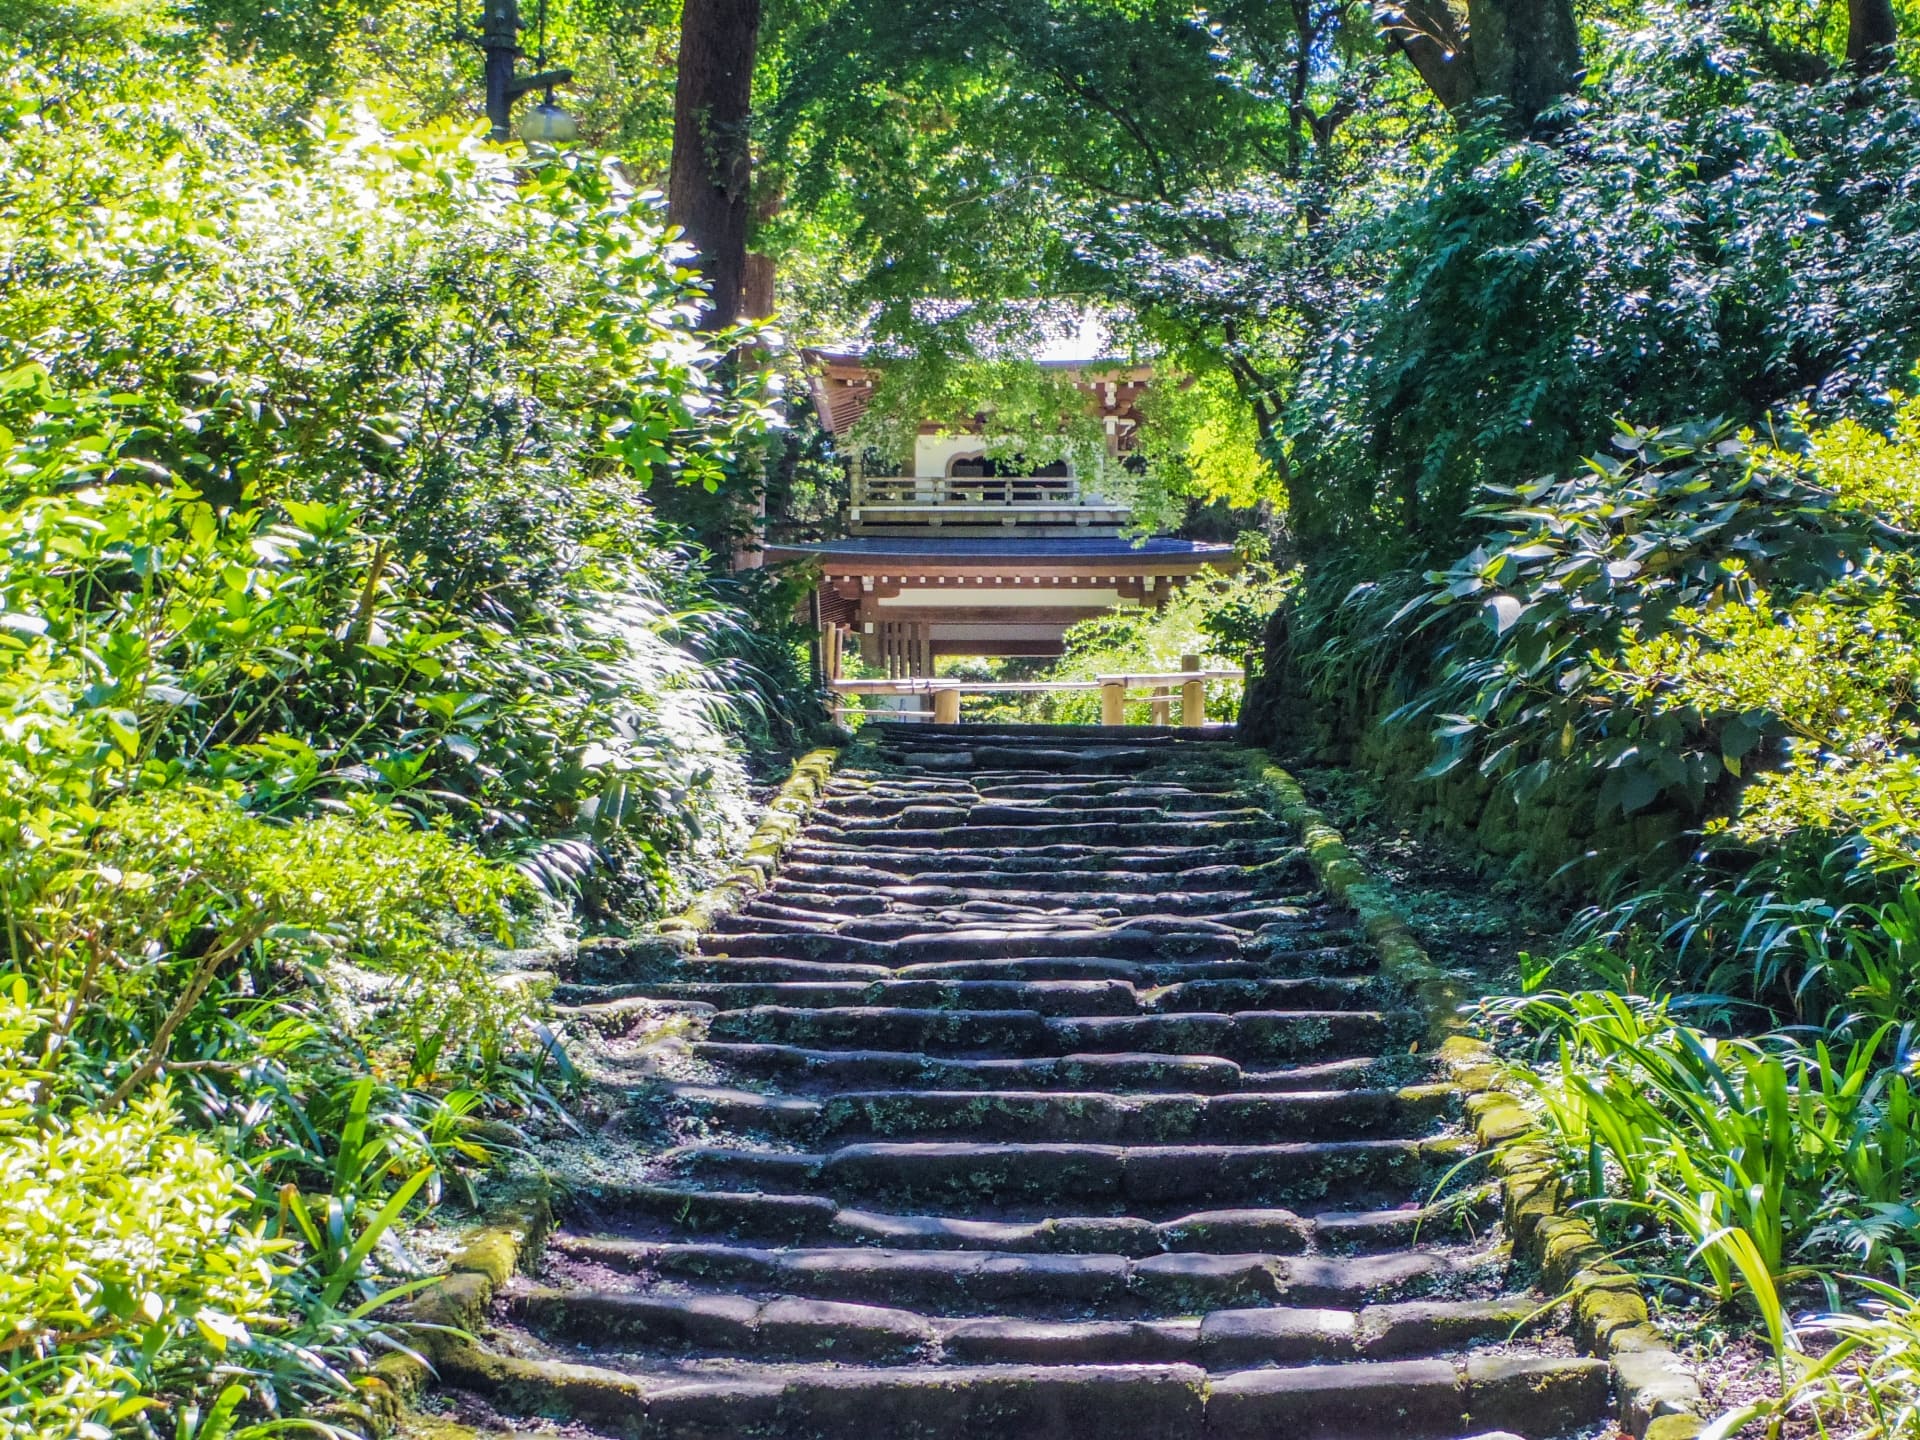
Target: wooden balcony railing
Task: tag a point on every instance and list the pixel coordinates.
(881, 491)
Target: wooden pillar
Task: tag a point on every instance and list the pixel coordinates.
(946, 707)
(1113, 703)
(1162, 705)
(1193, 695)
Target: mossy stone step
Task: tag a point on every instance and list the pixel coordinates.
(1015, 802)
(1064, 867)
(1247, 1035)
(1418, 1400)
(870, 1069)
(1317, 960)
(1046, 997)
(791, 1327)
(792, 1218)
(1041, 1094)
(899, 896)
(1049, 814)
(1099, 1116)
(964, 1282)
(1130, 940)
(949, 1173)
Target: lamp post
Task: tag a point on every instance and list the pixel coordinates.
(500, 39)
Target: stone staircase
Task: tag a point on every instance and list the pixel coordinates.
(1042, 1095)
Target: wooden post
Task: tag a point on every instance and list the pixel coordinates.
(1162, 705)
(1193, 695)
(1113, 703)
(946, 707)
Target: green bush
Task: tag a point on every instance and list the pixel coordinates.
(1697, 235)
(418, 403)
(1215, 617)
(333, 630)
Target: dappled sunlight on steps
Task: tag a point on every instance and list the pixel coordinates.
(1043, 1094)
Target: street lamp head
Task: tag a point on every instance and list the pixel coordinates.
(547, 124)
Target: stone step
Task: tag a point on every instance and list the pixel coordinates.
(1540, 1396)
(843, 870)
(1328, 975)
(1151, 975)
(1204, 738)
(875, 1069)
(1264, 1036)
(1242, 909)
(1012, 804)
(1200, 821)
(983, 758)
(948, 1173)
(966, 1282)
(1088, 1116)
(1133, 940)
(792, 1327)
(1269, 922)
(1063, 841)
(669, 1211)
(1062, 867)
(1045, 997)
(1042, 1094)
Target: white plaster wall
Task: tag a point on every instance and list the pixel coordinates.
(933, 453)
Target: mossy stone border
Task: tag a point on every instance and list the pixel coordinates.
(785, 817)
(441, 1317)
(1659, 1399)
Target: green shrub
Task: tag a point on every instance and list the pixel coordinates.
(1215, 617)
(1698, 235)
(333, 628)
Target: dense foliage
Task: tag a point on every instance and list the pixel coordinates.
(1215, 619)
(337, 651)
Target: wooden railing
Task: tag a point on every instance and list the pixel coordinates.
(936, 490)
(946, 695)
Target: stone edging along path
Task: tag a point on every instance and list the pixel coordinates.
(1657, 1397)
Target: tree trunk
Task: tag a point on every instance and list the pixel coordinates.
(1526, 52)
(712, 168)
(1523, 52)
(1871, 33)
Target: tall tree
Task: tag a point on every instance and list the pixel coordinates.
(708, 188)
(1871, 33)
(1525, 53)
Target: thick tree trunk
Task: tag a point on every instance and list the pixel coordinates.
(712, 170)
(1526, 52)
(1871, 33)
(1523, 52)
